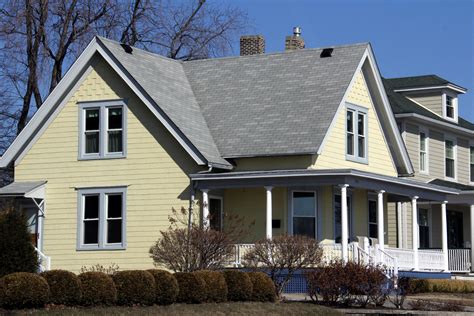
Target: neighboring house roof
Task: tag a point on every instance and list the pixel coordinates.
(453, 185)
(20, 188)
(280, 103)
(403, 105)
(420, 82)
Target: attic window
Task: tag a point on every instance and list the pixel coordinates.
(449, 106)
(327, 52)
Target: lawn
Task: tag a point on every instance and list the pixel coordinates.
(237, 309)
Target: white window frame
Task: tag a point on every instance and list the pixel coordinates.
(103, 107)
(290, 224)
(102, 240)
(471, 144)
(455, 157)
(356, 109)
(427, 150)
(454, 105)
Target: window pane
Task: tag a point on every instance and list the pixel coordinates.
(350, 121)
(372, 211)
(449, 111)
(91, 206)
(449, 100)
(92, 142)
(92, 119)
(450, 168)
(373, 231)
(449, 145)
(422, 217)
(361, 144)
(115, 142)
(114, 205)
(422, 161)
(360, 124)
(303, 204)
(114, 231)
(472, 172)
(472, 155)
(304, 226)
(350, 144)
(422, 142)
(115, 118)
(91, 232)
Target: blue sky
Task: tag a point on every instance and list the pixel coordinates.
(409, 37)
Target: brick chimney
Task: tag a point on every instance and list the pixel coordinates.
(252, 45)
(294, 41)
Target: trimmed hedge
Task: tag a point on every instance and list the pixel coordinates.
(134, 287)
(23, 290)
(239, 285)
(192, 288)
(441, 286)
(166, 287)
(98, 288)
(263, 288)
(216, 287)
(65, 287)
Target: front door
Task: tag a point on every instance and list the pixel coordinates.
(216, 213)
(455, 230)
(304, 213)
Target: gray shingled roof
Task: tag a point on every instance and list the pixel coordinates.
(272, 104)
(20, 188)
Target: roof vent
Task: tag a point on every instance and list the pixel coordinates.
(327, 52)
(127, 48)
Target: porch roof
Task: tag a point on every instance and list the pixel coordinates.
(30, 189)
(306, 177)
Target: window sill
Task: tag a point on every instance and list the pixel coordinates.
(102, 158)
(450, 179)
(97, 248)
(358, 160)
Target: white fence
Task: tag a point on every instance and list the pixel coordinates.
(459, 260)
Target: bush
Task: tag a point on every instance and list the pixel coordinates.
(441, 286)
(166, 287)
(98, 288)
(282, 256)
(110, 270)
(64, 286)
(420, 286)
(191, 288)
(216, 287)
(263, 289)
(17, 254)
(239, 285)
(23, 290)
(134, 287)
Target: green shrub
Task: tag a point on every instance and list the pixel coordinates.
(166, 287)
(239, 286)
(420, 286)
(64, 286)
(98, 288)
(263, 288)
(134, 287)
(191, 288)
(442, 286)
(17, 254)
(216, 287)
(23, 290)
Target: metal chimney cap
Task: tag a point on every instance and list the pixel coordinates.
(297, 31)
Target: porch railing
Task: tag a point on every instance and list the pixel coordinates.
(44, 261)
(405, 257)
(459, 260)
(431, 259)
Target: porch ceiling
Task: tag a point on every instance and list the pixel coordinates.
(304, 177)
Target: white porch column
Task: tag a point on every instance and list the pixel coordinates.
(414, 220)
(444, 235)
(472, 235)
(380, 220)
(269, 213)
(205, 208)
(344, 223)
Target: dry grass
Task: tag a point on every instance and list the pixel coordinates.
(234, 309)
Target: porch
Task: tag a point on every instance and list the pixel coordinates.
(356, 215)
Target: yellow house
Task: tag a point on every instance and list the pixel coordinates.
(298, 142)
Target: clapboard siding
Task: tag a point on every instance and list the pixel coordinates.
(432, 101)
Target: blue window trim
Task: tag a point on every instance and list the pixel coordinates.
(103, 107)
(356, 109)
(102, 244)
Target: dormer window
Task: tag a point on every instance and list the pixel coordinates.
(450, 106)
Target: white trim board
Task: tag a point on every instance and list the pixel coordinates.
(41, 120)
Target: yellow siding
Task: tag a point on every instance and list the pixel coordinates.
(155, 171)
(333, 153)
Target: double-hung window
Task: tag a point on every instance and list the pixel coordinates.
(423, 151)
(356, 133)
(471, 163)
(373, 225)
(101, 218)
(102, 130)
(449, 106)
(450, 158)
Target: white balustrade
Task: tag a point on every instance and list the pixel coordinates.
(459, 260)
(44, 261)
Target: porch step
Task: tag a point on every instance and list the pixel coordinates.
(424, 275)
